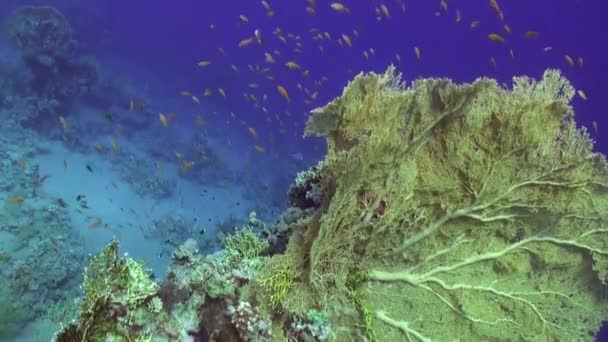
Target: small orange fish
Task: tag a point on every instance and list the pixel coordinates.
(114, 145)
(292, 65)
(569, 60)
(339, 7)
(246, 41)
(253, 132)
(495, 37)
(64, 123)
(96, 224)
(493, 62)
(531, 35)
(582, 94)
(204, 63)
(283, 92)
(347, 40)
(99, 148)
(16, 200)
(259, 148)
(163, 119)
(22, 163)
(186, 93)
(417, 53)
(186, 166)
(595, 127)
(496, 8)
(474, 24)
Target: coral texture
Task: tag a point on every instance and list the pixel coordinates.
(460, 211)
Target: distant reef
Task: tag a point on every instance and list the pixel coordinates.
(441, 212)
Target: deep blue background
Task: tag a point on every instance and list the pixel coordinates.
(168, 38)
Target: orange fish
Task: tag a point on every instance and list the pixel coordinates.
(246, 41)
(417, 53)
(259, 148)
(283, 92)
(96, 224)
(64, 123)
(16, 200)
(496, 38)
(531, 35)
(163, 119)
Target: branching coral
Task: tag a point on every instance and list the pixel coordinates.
(479, 210)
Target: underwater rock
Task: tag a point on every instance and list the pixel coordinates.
(43, 35)
(44, 38)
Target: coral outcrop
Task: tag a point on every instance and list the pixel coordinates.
(44, 37)
(441, 212)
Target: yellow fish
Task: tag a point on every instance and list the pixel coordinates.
(292, 65)
(268, 58)
(16, 200)
(253, 132)
(385, 11)
(569, 60)
(595, 127)
(496, 38)
(283, 92)
(531, 35)
(186, 93)
(204, 63)
(259, 148)
(474, 24)
(339, 7)
(417, 53)
(114, 145)
(64, 123)
(347, 40)
(163, 119)
(246, 41)
(582, 94)
(243, 18)
(99, 148)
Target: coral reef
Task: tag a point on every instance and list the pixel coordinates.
(441, 212)
(44, 38)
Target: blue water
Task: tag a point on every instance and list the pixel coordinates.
(244, 154)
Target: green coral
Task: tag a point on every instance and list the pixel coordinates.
(245, 244)
(480, 211)
(111, 285)
(277, 278)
